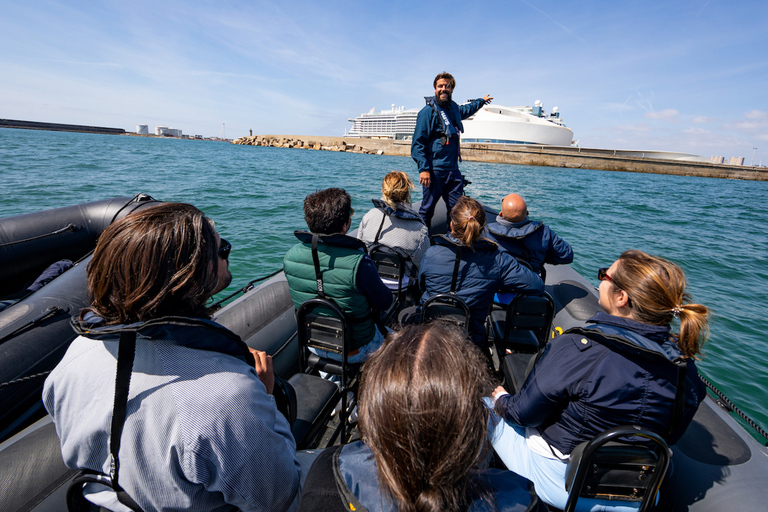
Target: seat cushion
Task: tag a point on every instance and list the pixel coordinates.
(315, 399)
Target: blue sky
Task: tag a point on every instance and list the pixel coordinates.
(678, 76)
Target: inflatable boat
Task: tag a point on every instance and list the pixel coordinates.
(716, 465)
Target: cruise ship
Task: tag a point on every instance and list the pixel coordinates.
(395, 123)
(492, 124)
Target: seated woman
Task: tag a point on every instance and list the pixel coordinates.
(394, 223)
(482, 269)
(424, 430)
(621, 370)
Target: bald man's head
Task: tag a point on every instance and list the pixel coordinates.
(513, 208)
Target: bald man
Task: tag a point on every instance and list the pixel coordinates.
(526, 240)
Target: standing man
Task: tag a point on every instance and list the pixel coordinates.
(435, 146)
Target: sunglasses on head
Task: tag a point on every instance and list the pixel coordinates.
(224, 249)
(602, 274)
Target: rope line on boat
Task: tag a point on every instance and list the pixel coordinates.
(293, 337)
(48, 313)
(732, 407)
(68, 227)
(217, 305)
(24, 379)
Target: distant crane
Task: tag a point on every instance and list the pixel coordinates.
(753, 157)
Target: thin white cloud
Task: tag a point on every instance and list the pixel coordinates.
(665, 115)
(756, 114)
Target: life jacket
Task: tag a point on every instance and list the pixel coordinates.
(447, 129)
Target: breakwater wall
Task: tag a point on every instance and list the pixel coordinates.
(57, 127)
(551, 156)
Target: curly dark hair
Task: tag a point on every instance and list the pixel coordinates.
(326, 211)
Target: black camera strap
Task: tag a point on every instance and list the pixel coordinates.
(126, 352)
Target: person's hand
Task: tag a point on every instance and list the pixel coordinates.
(425, 179)
(498, 392)
(264, 369)
(487, 98)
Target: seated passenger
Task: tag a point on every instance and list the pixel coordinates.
(349, 276)
(481, 271)
(200, 430)
(394, 223)
(622, 370)
(424, 431)
(527, 240)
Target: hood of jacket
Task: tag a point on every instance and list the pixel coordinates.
(639, 337)
(401, 211)
(336, 239)
(481, 244)
(197, 333)
(509, 229)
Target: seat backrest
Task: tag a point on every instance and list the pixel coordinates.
(390, 263)
(624, 463)
(321, 325)
(530, 313)
(446, 307)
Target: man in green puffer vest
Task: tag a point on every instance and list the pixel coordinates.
(349, 276)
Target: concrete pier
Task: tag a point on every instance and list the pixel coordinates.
(552, 156)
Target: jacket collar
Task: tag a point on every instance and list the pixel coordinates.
(503, 227)
(653, 338)
(402, 211)
(197, 333)
(336, 239)
(482, 244)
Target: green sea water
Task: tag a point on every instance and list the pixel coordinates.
(715, 229)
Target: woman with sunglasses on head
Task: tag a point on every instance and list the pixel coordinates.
(625, 368)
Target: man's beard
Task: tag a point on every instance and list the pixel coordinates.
(444, 103)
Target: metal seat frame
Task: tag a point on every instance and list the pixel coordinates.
(624, 463)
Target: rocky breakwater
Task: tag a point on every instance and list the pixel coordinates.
(319, 143)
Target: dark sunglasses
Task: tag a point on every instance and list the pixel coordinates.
(602, 274)
(224, 249)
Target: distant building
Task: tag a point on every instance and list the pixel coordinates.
(142, 129)
(736, 160)
(717, 159)
(165, 131)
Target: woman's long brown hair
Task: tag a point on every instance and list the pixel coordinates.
(422, 415)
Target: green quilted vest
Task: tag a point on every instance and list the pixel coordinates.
(339, 270)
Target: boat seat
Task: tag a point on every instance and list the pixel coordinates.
(446, 307)
(322, 325)
(520, 331)
(391, 267)
(315, 400)
(624, 463)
